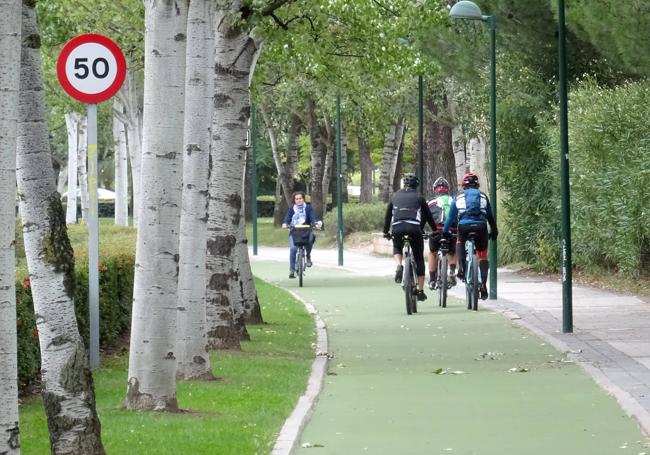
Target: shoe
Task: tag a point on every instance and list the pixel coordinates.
(483, 291)
(398, 273)
(433, 285)
(461, 275)
(421, 296)
(309, 263)
(452, 279)
(292, 274)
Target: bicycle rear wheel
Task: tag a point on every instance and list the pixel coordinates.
(442, 281)
(469, 275)
(414, 280)
(300, 264)
(476, 284)
(408, 285)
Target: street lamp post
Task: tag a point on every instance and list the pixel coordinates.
(469, 10)
(421, 134)
(567, 297)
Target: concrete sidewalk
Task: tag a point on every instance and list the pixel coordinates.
(611, 338)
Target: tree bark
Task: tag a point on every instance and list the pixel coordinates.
(283, 169)
(367, 168)
(152, 362)
(133, 115)
(193, 360)
(82, 165)
(280, 205)
(121, 173)
(392, 143)
(9, 86)
(68, 393)
(439, 160)
(234, 55)
(318, 154)
(71, 122)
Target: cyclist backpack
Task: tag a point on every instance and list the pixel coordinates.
(444, 202)
(474, 205)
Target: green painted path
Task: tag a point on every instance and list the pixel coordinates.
(504, 391)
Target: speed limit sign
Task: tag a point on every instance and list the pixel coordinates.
(91, 68)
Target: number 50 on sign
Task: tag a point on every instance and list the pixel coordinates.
(91, 68)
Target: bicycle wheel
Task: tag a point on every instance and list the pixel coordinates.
(475, 284)
(442, 280)
(300, 264)
(407, 284)
(414, 280)
(469, 275)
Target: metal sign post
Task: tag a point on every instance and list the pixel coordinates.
(91, 68)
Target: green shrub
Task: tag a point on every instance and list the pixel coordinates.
(356, 218)
(115, 294)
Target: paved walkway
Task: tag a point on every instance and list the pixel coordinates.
(366, 320)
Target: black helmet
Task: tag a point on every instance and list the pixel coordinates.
(411, 181)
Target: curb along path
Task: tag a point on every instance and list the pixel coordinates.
(442, 381)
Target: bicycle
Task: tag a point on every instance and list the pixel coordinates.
(442, 280)
(472, 275)
(409, 277)
(301, 234)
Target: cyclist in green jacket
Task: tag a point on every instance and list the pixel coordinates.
(439, 207)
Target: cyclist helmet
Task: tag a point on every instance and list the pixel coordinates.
(441, 185)
(470, 180)
(411, 181)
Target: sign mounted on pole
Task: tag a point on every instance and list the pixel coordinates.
(91, 68)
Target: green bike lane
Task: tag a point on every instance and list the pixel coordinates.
(444, 381)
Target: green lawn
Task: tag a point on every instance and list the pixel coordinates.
(241, 413)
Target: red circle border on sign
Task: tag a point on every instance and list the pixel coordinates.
(91, 98)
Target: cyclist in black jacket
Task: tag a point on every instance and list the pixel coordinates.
(406, 213)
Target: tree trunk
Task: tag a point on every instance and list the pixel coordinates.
(121, 174)
(68, 393)
(329, 168)
(82, 165)
(392, 143)
(252, 310)
(280, 205)
(397, 174)
(478, 162)
(318, 154)
(129, 97)
(71, 122)
(234, 55)
(152, 363)
(9, 86)
(62, 179)
(439, 160)
(367, 168)
(344, 167)
(193, 360)
(284, 172)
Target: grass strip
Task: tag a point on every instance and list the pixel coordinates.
(240, 413)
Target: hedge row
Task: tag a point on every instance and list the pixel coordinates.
(115, 295)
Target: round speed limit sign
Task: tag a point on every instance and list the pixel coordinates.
(91, 68)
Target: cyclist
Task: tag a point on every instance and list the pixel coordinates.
(407, 213)
(439, 207)
(300, 213)
(471, 208)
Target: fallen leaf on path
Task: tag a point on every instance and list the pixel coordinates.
(518, 370)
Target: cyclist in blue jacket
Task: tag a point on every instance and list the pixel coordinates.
(472, 209)
(300, 212)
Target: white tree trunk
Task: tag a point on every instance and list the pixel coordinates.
(9, 84)
(68, 394)
(128, 95)
(121, 173)
(71, 123)
(82, 166)
(193, 360)
(392, 143)
(478, 162)
(251, 304)
(62, 180)
(234, 53)
(152, 362)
